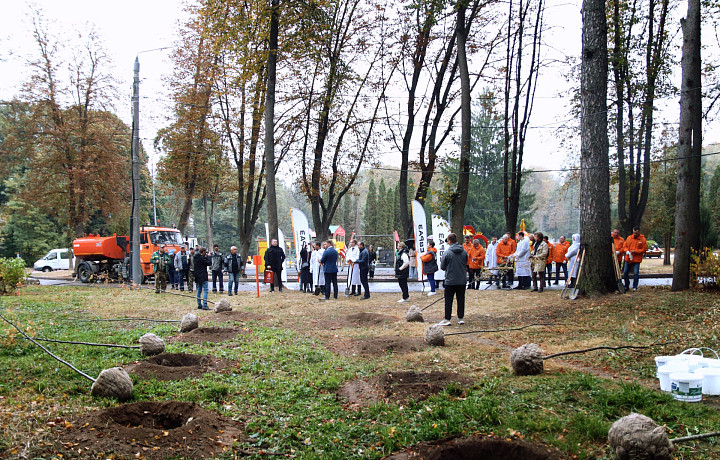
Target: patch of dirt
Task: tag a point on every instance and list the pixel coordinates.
(377, 346)
(209, 334)
(480, 447)
(399, 387)
(176, 366)
(150, 429)
(240, 316)
(362, 319)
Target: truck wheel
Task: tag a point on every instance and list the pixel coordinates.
(84, 272)
(47, 269)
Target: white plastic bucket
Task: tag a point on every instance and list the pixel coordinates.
(712, 362)
(686, 386)
(711, 380)
(660, 361)
(664, 372)
(692, 361)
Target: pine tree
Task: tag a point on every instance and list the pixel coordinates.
(370, 220)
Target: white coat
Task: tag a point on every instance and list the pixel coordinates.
(522, 258)
(572, 254)
(353, 254)
(315, 268)
(491, 257)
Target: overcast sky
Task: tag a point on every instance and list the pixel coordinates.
(130, 27)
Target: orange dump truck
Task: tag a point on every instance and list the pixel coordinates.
(108, 257)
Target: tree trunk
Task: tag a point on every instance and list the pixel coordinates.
(270, 124)
(667, 241)
(687, 201)
(461, 192)
(186, 207)
(209, 206)
(595, 176)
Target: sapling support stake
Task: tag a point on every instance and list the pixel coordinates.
(436, 301)
(109, 345)
(178, 294)
(502, 330)
(46, 350)
(621, 347)
(125, 319)
(696, 436)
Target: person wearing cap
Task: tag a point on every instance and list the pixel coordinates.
(217, 261)
(160, 261)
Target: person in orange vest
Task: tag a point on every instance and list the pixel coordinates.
(505, 248)
(618, 243)
(635, 247)
(559, 258)
(548, 263)
(467, 246)
(476, 259)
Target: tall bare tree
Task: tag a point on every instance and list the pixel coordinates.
(594, 157)
(520, 75)
(272, 210)
(687, 207)
(345, 75)
(640, 62)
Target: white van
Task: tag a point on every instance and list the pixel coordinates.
(56, 259)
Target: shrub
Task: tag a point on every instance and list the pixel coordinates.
(705, 268)
(12, 272)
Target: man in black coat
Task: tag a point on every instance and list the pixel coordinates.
(201, 262)
(363, 263)
(274, 258)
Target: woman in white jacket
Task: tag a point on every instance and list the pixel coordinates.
(522, 262)
(572, 256)
(316, 269)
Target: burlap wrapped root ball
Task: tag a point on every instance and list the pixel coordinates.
(188, 323)
(113, 383)
(435, 336)
(637, 437)
(527, 360)
(223, 305)
(414, 315)
(151, 345)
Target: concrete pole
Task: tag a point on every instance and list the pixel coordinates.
(135, 268)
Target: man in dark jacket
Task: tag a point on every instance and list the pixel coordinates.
(363, 264)
(201, 262)
(216, 266)
(329, 263)
(274, 258)
(454, 262)
(234, 264)
(181, 267)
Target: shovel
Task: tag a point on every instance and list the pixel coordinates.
(618, 277)
(349, 279)
(576, 290)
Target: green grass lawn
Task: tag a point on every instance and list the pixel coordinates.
(283, 381)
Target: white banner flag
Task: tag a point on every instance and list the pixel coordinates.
(420, 230)
(301, 233)
(440, 230)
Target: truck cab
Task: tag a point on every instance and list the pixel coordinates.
(151, 238)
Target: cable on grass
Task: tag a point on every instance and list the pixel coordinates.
(109, 345)
(46, 350)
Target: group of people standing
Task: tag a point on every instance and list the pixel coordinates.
(192, 266)
(319, 268)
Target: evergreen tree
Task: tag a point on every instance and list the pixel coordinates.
(370, 218)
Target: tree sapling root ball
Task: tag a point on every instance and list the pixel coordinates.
(637, 437)
(527, 360)
(223, 305)
(435, 336)
(414, 315)
(188, 323)
(113, 383)
(151, 345)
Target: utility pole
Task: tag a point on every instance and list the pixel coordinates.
(135, 270)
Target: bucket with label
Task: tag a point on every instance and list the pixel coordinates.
(664, 372)
(686, 386)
